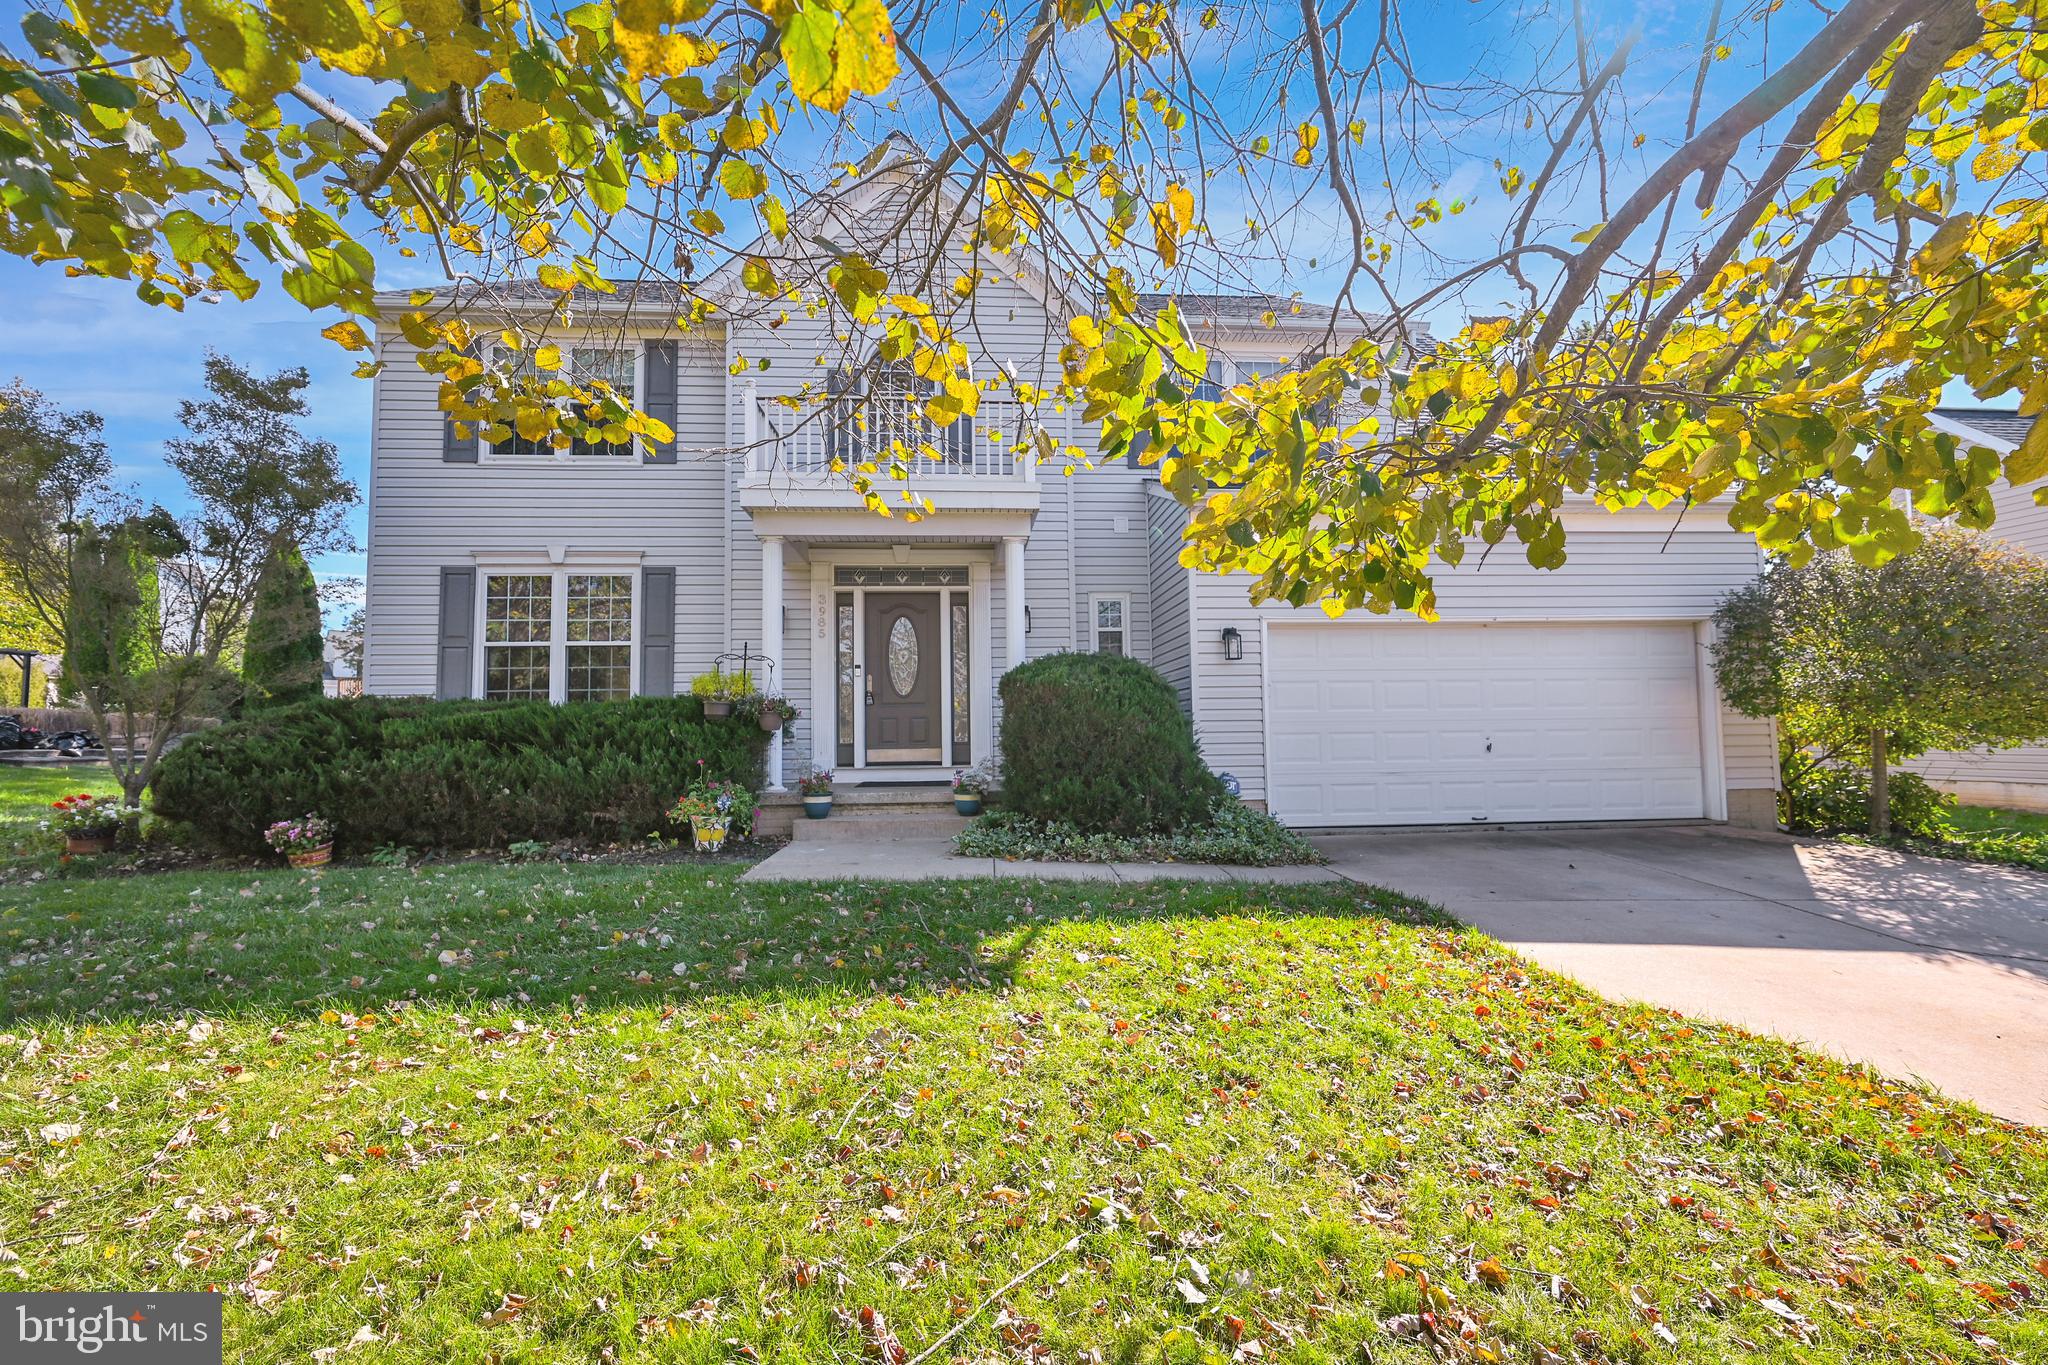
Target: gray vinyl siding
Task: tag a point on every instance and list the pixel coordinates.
(1620, 568)
(2024, 523)
(426, 515)
(1170, 592)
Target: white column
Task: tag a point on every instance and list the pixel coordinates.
(750, 425)
(1013, 600)
(771, 642)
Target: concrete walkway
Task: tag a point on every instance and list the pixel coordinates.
(930, 859)
(1922, 967)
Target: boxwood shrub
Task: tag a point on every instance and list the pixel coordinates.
(1099, 742)
(452, 774)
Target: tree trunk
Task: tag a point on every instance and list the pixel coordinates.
(1880, 789)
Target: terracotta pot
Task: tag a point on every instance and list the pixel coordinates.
(817, 807)
(89, 843)
(717, 710)
(707, 836)
(966, 805)
(312, 857)
(771, 721)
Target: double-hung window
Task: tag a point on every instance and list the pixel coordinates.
(1110, 621)
(617, 366)
(600, 637)
(562, 635)
(518, 636)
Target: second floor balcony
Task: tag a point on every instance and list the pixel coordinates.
(811, 456)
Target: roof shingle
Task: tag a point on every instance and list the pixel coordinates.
(2004, 423)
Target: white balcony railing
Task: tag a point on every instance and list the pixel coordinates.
(997, 443)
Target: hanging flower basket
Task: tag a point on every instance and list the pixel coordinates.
(718, 691)
(773, 712)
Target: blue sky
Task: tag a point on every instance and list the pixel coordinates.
(90, 343)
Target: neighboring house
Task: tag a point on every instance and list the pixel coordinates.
(1580, 694)
(1997, 777)
(339, 675)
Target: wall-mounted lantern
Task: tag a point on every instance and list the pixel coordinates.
(1233, 643)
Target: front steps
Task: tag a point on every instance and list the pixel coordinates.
(867, 812)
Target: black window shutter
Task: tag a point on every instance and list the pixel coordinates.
(454, 665)
(458, 449)
(660, 402)
(657, 632)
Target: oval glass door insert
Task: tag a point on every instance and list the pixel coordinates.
(903, 656)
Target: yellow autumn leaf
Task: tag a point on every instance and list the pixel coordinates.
(242, 45)
(507, 110)
(2030, 461)
(348, 335)
(548, 357)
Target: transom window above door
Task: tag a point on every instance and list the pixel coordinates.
(558, 636)
(617, 366)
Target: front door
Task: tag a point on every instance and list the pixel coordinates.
(902, 678)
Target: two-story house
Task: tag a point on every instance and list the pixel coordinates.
(504, 570)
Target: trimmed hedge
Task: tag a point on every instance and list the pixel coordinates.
(452, 774)
(1099, 742)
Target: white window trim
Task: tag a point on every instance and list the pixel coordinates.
(558, 618)
(1122, 599)
(487, 455)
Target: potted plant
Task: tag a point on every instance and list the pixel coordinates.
(713, 810)
(773, 712)
(307, 841)
(970, 786)
(718, 691)
(814, 784)
(89, 824)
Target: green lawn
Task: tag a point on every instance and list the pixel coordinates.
(545, 1114)
(1985, 834)
(26, 792)
(1988, 820)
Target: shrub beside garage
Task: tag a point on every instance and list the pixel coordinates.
(453, 774)
(1100, 742)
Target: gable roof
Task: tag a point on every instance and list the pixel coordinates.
(2004, 426)
(645, 298)
(1291, 316)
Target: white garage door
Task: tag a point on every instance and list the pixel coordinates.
(1433, 723)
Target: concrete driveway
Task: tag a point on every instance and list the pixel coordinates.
(1925, 968)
